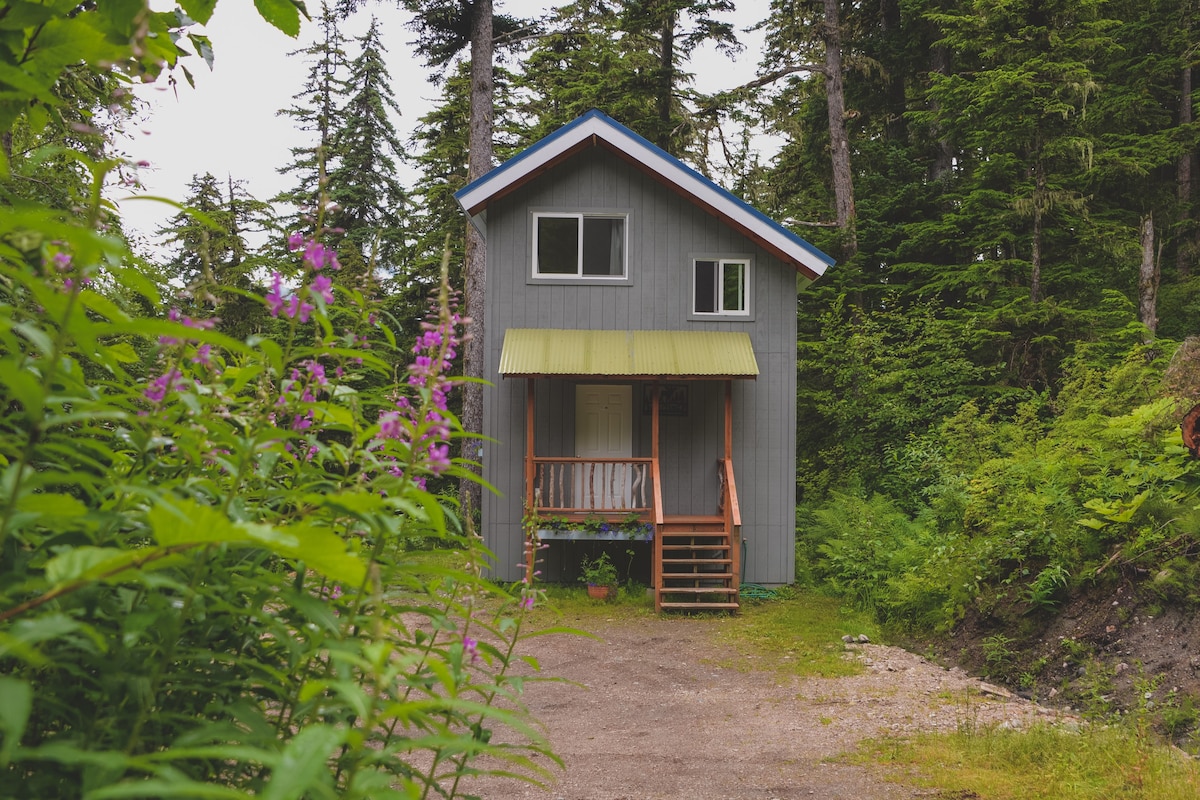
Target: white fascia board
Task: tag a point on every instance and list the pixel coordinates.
(667, 167)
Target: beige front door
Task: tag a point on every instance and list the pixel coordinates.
(603, 430)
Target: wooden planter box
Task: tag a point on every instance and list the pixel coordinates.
(579, 535)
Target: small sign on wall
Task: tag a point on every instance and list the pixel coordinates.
(673, 401)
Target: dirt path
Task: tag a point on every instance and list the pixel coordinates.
(654, 717)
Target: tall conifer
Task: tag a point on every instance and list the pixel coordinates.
(370, 203)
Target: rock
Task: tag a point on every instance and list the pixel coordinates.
(848, 638)
(864, 639)
(1120, 668)
(995, 691)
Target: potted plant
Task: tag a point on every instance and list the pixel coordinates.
(600, 575)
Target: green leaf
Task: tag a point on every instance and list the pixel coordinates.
(51, 504)
(203, 48)
(319, 548)
(16, 703)
(283, 14)
(334, 415)
(176, 786)
(304, 760)
(26, 633)
(188, 522)
(359, 503)
(89, 563)
(199, 10)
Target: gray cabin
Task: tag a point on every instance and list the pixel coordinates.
(641, 339)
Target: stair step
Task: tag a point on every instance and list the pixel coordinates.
(681, 606)
(697, 590)
(693, 577)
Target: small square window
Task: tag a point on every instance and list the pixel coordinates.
(578, 245)
(721, 286)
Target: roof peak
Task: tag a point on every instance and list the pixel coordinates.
(595, 128)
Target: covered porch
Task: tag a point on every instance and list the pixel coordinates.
(590, 478)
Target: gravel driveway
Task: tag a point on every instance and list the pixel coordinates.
(650, 715)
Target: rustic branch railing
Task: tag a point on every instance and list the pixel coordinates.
(566, 485)
(729, 508)
(727, 505)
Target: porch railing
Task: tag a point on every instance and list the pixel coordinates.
(592, 485)
(729, 508)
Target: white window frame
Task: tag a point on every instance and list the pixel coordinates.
(579, 276)
(747, 264)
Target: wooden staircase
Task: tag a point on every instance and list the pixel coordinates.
(697, 564)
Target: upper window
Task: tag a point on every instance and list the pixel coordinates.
(721, 286)
(578, 246)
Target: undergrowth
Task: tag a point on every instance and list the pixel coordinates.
(1095, 763)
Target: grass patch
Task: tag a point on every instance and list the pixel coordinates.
(571, 603)
(1044, 762)
(799, 634)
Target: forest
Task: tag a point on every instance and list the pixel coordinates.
(213, 459)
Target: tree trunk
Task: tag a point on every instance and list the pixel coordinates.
(1035, 255)
(1185, 249)
(666, 81)
(943, 156)
(894, 73)
(1148, 276)
(479, 163)
(843, 186)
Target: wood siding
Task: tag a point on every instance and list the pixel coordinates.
(665, 231)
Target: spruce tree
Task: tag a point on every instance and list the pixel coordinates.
(314, 113)
(211, 259)
(370, 205)
(585, 60)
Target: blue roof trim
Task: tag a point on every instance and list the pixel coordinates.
(548, 140)
(542, 144)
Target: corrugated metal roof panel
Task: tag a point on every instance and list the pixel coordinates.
(549, 351)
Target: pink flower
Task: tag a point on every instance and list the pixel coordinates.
(275, 296)
(471, 648)
(322, 287)
(317, 256)
(170, 380)
(298, 309)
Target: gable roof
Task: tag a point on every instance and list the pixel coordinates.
(595, 129)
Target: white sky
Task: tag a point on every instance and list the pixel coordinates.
(228, 125)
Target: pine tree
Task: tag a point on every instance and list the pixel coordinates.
(676, 28)
(211, 259)
(314, 113)
(370, 204)
(445, 28)
(585, 60)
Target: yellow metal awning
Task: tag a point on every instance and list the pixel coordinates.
(631, 354)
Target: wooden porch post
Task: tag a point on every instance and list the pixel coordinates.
(531, 544)
(728, 420)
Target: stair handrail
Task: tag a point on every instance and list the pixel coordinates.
(732, 513)
(729, 495)
(657, 516)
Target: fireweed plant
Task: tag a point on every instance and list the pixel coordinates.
(204, 587)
